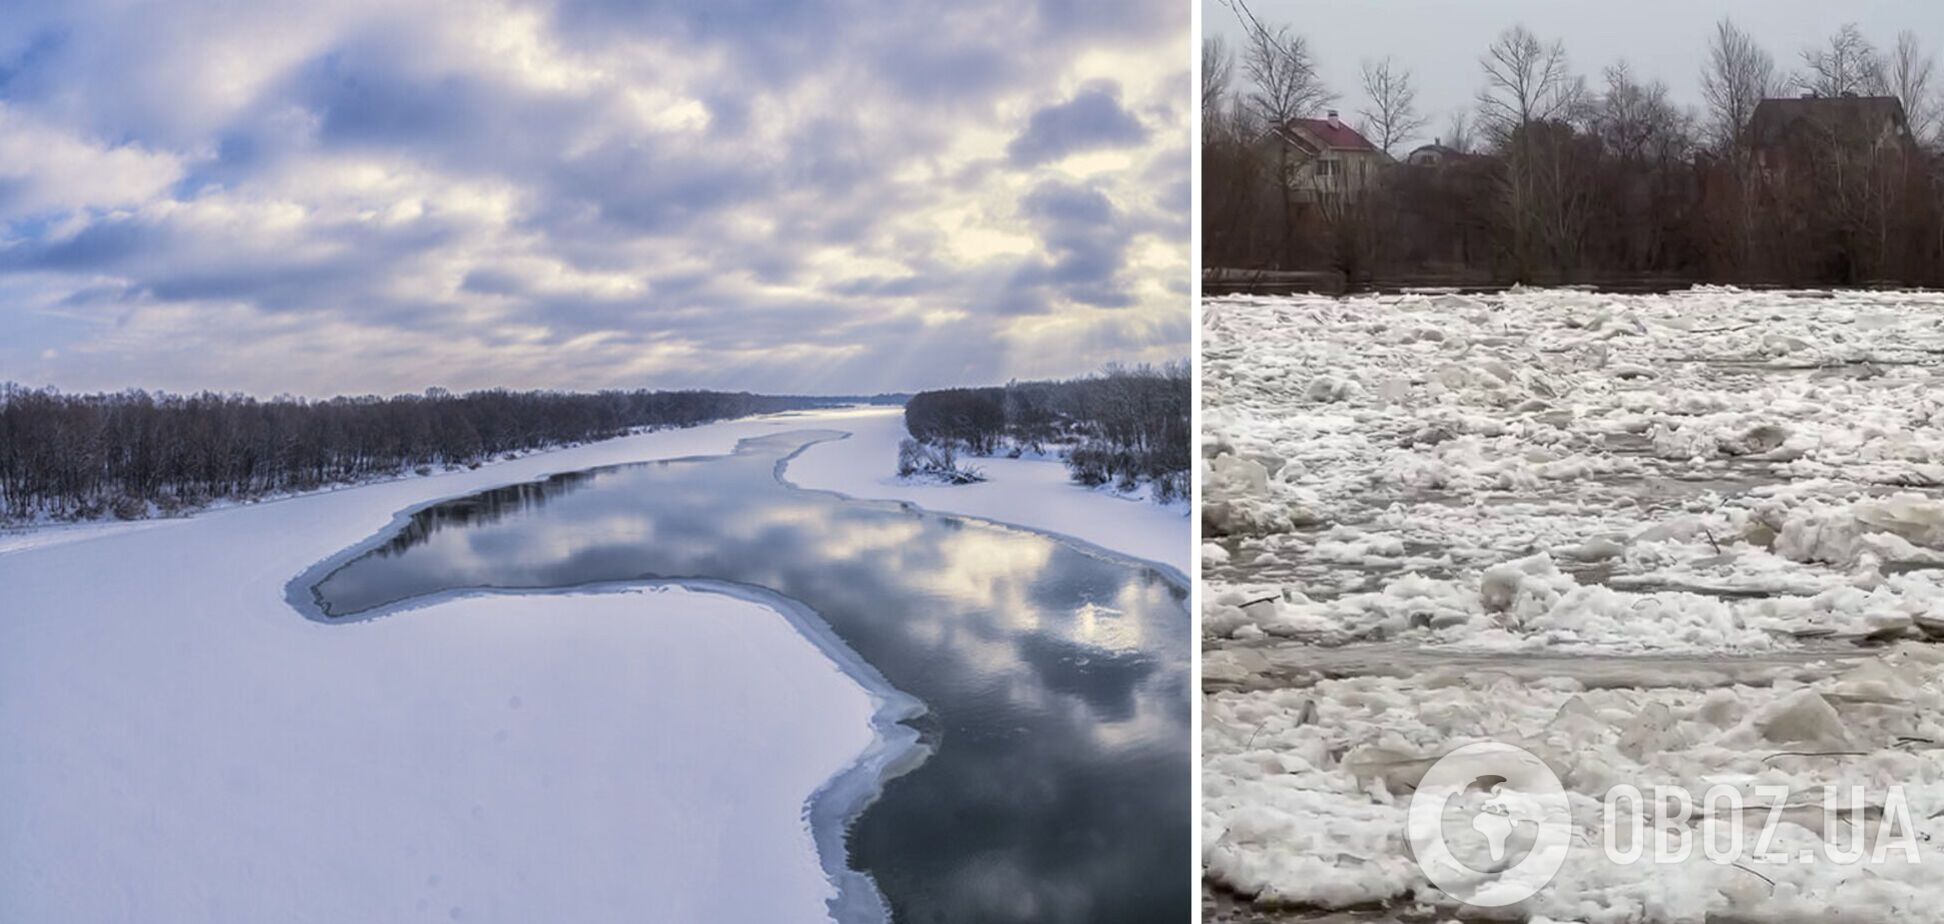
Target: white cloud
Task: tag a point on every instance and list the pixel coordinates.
(49, 168)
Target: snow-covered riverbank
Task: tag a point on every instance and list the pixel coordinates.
(1582, 486)
(182, 746)
(1035, 493)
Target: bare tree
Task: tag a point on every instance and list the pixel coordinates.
(1392, 115)
(1458, 131)
(1233, 159)
(1644, 141)
(1848, 65)
(1124, 426)
(1217, 70)
(1578, 181)
(1235, 178)
(1910, 81)
(1526, 81)
(1637, 121)
(1286, 85)
(1286, 88)
(1739, 75)
(1529, 98)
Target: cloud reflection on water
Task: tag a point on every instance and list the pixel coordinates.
(1057, 679)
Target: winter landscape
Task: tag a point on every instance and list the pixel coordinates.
(248, 763)
(1692, 538)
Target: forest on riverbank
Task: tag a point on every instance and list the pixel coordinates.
(135, 453)
(1125, 427)
(1826, 173)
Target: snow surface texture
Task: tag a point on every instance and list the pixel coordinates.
(182, 746)
(1306, 790)
(1615, 529)
(1034, 493)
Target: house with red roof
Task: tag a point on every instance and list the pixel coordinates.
(1329, 161)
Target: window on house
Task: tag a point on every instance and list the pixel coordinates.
(1326, 168)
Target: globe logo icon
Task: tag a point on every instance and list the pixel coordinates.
(1489, 824)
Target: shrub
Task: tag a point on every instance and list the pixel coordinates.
(935, 460)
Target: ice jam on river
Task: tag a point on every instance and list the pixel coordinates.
(183, 746)
(1685, 539)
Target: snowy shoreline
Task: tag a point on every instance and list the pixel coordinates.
(1169, 569)
(1032, 494)
(1142, 530)
(17, 535)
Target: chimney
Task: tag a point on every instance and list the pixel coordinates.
(1334, 121)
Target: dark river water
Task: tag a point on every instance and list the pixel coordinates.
(1056, 678)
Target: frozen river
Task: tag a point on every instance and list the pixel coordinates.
(1033, 694)
(183, 746)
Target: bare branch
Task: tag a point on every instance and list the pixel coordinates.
(1246, 16)
(1217, 70)
(1739, 75)
(1392, 113)
(1286, 83)
(1638, 122)
(1526, 81)
(1848, 65)
(1909, 75)
(1458, 131)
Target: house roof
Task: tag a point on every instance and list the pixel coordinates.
(1337, 136)
(1446, 157)
(1847, 116)
(1442, 150)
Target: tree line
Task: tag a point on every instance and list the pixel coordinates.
(1553, 177)
(1126, 426)
(136, 453)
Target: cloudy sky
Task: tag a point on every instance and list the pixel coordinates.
(781, 195)
(1442, 40)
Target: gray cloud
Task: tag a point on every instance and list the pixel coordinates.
(809, 196)
(1091, 120)
(1086, 244)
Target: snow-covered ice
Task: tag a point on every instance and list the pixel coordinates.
(1664, 447)
(1036, 493)
(1612, 527)
(1306, 788)
(180, 745)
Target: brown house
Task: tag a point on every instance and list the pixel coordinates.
(1836, 181)
(1783, 132)
(1328, 160)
